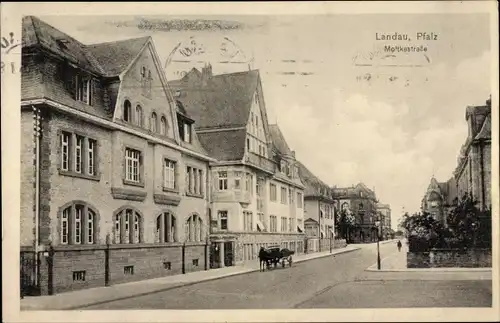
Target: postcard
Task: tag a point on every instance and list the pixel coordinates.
(244, 162)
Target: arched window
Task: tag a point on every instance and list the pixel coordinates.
(194, 228)
(138, 115)
(78, 224)
(127, 111)
(154, 121)
(127, 226)
(163, 125)
(166, 225)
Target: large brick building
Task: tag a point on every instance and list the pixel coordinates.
(257, 196)
(473, 171)
(362, 203)
(118, 189)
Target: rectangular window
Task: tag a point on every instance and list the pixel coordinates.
(83, 87)
(79, 276)
(273, 223)
(290, 225)
(237, 180)
(283, 195)
(248, 221)
(65, 144)
(91, 157)
(187, 132)
(90, 228)
(128, 215)
(283, 224)
(223, 220)
(273, 192)
(195, 262)
(78, 154)
(299, 200)
(117, 229)
(136, 229)
(200, 179)
(222, 181)
(128, 270)
(167, 265)
(78, 225)
(132, 165)
(169, 174)
(64, 226)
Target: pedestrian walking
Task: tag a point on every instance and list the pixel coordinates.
(399, 245)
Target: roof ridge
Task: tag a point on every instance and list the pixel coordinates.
(62, 32)
(116, 41)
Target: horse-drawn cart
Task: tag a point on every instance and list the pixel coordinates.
(275, 255)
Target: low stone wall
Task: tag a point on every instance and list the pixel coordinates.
(68, 268)
(339, 243)
(443, 258)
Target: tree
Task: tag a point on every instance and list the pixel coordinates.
(345, 222)
(423, 231)
(470, 227)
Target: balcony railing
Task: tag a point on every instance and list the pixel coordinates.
(259, 161)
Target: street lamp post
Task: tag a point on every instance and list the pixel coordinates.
(377, 224)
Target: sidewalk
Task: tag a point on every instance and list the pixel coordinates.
(396, 262)
(94, 296)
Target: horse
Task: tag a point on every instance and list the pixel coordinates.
(263, 259)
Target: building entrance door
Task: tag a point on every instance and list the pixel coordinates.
(214, 256)
(228, 254)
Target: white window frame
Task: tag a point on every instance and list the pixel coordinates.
(65, 225)
(83, 88)
(223, 215)
(169, 170)
(78, 154)
(187, 132)
(65, 147)
(91, 157)
(78, 224)
(90, 226)
(132, 165)
(222, 181)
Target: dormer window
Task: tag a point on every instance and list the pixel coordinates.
(83, 88)
(185, 130)
(127, 111)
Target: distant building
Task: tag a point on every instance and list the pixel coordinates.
(319, 206)
(473, 171)
(385, 212)
(439, 198)
(362, 202)
(256, 193)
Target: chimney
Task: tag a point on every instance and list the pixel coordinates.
(206, 73)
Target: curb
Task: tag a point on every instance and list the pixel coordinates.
(190, 283)
(442, 269)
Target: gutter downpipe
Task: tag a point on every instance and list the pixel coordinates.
(483, 195)
(37, 129)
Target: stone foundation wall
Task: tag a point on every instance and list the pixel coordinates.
(450, 258)
(68, 268)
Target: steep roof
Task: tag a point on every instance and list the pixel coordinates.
(106, 59)
(278, 140)
(115, 57)
(314, 187)
(37, 33)
(224, 145)
(221, 101)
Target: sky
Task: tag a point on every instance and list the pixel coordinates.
(351, 111)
